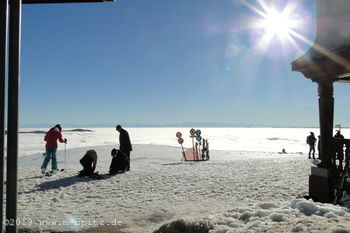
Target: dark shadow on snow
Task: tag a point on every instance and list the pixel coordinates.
(29, 178)
(172, 164)
(63, 182)
(187, 162)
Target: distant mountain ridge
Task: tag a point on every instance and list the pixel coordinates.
(170, 125)
(44, 132)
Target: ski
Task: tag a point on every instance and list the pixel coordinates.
(51, 173)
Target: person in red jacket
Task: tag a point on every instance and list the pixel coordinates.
(51, 138)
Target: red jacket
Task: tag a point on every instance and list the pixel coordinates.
(52, 136)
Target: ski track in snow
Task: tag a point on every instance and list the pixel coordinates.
(233, 192)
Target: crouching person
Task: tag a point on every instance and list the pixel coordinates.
(88, 162)
(119, 162)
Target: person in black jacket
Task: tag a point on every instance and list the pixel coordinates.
(311, 140)
(124, 144)
(339, 150)
(88, 162)
(119, 162)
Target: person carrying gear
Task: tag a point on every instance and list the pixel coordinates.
(311, 140)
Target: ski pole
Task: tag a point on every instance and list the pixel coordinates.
(65, 157)
(183, 153)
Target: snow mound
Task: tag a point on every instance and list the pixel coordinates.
(185, 226)
(309, 208)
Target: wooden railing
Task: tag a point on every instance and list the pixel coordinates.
(340, 161)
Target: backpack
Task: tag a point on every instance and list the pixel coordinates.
(308, 141)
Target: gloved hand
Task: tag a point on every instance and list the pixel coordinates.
(65, 140)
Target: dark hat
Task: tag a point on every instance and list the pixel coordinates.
(118, 127)
(114, 152)
(58, 126)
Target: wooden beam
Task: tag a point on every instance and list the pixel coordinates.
(60, 1)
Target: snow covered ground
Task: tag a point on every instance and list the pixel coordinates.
(247, 186)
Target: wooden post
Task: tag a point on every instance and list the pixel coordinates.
(12, 113)
(321, 180)
(3, 46)
(326, 112)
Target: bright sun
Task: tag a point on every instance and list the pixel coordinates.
(275, 24)
(278, 24)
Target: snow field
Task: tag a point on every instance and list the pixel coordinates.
(233, 192)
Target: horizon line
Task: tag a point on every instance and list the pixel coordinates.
(170, 125)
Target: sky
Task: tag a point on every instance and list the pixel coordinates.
(162, 62)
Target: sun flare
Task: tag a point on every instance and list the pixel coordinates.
(277, 24)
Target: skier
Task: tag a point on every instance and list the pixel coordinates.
(311, 140)
(51, 138)
(88, 162)
(119, 162)
(124, 144)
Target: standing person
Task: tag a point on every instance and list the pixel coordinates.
(339, 150)
(311, 140)
(51, 138)
(124, 144)
(338, 135)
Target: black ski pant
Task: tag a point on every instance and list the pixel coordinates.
(127, 155)
(312, 149)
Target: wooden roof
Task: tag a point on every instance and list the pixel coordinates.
(327, 64)
(329, 57)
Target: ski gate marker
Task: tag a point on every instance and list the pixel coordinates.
(200, 147)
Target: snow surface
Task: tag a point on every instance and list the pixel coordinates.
(238, 190)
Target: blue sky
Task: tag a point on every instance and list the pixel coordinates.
(164, 62)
